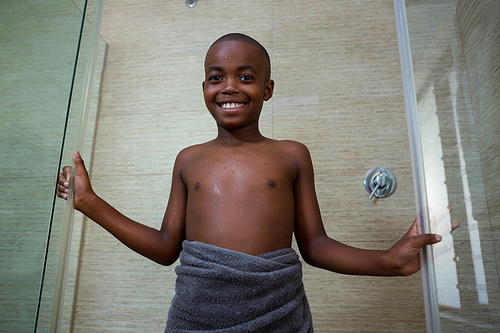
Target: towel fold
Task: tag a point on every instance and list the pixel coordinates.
(221, 290)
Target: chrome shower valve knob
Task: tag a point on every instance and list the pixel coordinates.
(380, 182)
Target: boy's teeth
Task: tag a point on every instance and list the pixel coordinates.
(232, 105)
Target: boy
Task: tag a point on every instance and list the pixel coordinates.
(235, 202)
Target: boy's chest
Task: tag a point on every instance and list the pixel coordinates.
(240, 171)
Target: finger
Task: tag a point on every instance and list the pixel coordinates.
(448, 228)
(63, 180)
(66, 171)
(63, 188)
(442, 249)
(62, 191)
(455, 224)
(442, 216)
(62, 195)
(62, 185)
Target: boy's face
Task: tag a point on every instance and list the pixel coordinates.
(236, 83)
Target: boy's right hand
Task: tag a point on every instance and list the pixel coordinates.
(82, 183)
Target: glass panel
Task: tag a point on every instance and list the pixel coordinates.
(58, 312)
(444, 36)
(39, 45)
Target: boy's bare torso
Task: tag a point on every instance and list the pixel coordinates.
(240, 197)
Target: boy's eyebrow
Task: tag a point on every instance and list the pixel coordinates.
(247, 67)
(214, 68)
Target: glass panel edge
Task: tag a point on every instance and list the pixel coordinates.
(417, 163)
(62, 269)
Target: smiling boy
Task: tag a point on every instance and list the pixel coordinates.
(234, 205)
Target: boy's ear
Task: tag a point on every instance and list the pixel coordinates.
(269, 88)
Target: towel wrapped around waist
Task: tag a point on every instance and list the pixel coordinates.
(221, 290)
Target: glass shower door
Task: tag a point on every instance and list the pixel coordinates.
(39, 46)
(44, 70)
(454, 46)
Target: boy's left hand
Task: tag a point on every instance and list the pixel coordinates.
(405, 253)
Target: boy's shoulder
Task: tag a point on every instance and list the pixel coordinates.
(290, 145)
(296, 151)
(193, 151)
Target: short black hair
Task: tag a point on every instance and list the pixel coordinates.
(245, 39)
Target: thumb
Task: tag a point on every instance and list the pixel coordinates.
(80, 165)
(425, 239)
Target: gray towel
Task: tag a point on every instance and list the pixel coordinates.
(220, 290)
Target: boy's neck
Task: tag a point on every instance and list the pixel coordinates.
(238, 137)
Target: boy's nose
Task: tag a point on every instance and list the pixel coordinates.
(229, 87)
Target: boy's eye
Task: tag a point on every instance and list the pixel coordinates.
(246, 77)
(215, 78)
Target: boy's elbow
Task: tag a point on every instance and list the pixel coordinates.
(309, 256)
(308, 260)
(311, 260)
(166, 260)
(168, 252)
(311, 249)
(165, 263)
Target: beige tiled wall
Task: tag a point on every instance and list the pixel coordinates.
(338, 90)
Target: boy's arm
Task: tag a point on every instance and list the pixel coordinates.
(162, 246)
(319, 250)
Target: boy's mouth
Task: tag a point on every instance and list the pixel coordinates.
(229, 106)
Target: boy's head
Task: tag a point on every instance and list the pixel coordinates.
(237, 80)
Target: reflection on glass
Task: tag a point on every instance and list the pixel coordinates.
(438, 198)
(472, 224)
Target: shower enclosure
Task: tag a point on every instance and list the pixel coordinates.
(43, 58)
(337, 70)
